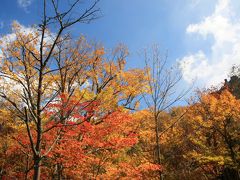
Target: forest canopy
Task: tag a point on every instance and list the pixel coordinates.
(72, 109)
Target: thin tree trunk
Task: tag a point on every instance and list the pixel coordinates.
(59, 172)
(37, 168)
(158, 145)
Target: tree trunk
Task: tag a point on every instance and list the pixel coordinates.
(37, 168)
(158, 146)
(59, 172)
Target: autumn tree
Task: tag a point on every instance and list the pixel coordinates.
(44, 67)
(216, 137)
(90, 150)
(28, 59)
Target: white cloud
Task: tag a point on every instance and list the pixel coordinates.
(224, 26)
(24, 4)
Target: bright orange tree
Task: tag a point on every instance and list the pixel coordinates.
(86, 145)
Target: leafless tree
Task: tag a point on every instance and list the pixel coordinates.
(164, 92)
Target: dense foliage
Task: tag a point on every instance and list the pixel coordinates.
(69, 109)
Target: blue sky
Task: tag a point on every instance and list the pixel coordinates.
(192, 31)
